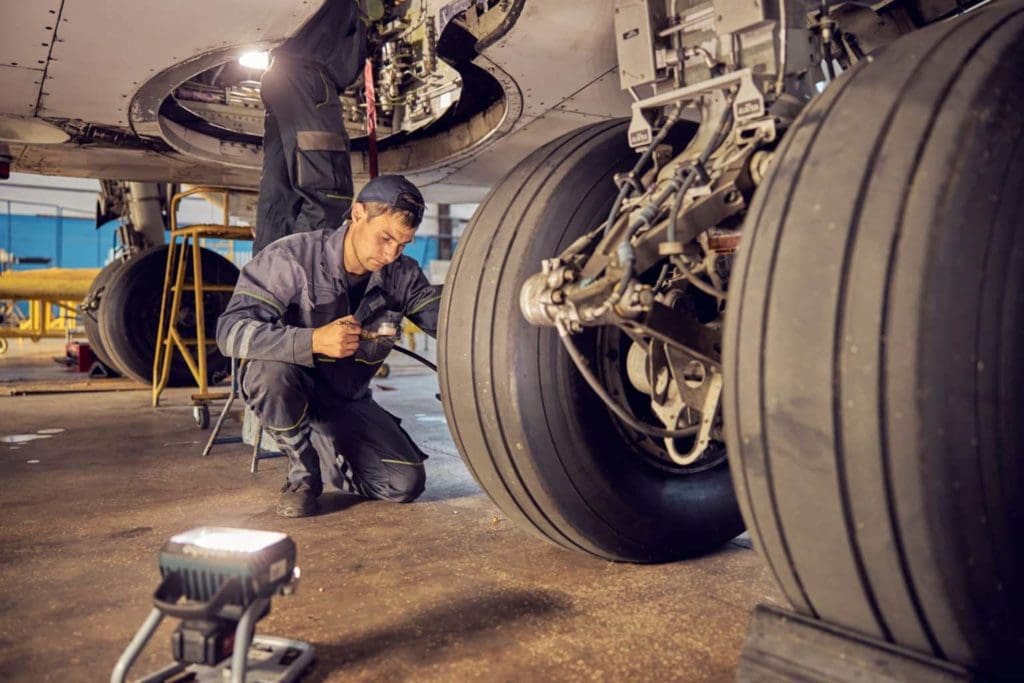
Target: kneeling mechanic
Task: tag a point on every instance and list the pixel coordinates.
(313, 315)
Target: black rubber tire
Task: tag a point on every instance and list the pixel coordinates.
(534, 435)
(91, 318)
(873, 342)
(132, 313)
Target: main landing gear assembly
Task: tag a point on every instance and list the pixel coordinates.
(799, 316)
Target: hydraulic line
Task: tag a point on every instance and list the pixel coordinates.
(692, 278)
(693, 170)
(620, 412)
(414, 356)
(670, 122)
(678, 186)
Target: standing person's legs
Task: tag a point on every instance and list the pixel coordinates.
(373, 455)
(315, 144)
(278, 203)
(280, 394)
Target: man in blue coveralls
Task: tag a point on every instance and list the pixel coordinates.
(313, 315)
(307, 176)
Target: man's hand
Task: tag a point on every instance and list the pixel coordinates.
(337, 339)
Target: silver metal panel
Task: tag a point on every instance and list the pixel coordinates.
(737, 15)
(26, 30)
(488, 168)
(18, 90)
(557, 64)
(635, 25)
(106, 49)
(555, 49)
(600, 98)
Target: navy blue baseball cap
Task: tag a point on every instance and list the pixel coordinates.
(396, 191)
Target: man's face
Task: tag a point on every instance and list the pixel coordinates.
(376, 242)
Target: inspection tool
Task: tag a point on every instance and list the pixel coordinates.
(219, 582)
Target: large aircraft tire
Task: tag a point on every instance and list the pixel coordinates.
(873, 357)
(538, 440)
(91, 315)
(132, 313)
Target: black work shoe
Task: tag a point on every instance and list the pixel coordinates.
(296, 502)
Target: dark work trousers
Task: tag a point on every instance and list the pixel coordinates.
(307, 176)
(355, 445)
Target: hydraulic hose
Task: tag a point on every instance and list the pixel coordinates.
(691, 171)
(620, 412)
(670, 122)
(414, 356)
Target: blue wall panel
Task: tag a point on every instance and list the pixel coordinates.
(68, 242)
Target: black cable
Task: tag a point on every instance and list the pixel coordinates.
(694, 170)
(670, 123)
(670, 230)
(620, 412)
(414, 356)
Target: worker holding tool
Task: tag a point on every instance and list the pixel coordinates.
(314, 314)
(307, 176)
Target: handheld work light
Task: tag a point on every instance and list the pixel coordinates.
(219, 582)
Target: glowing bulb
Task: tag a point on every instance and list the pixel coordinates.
(234, 540)
(255, 60)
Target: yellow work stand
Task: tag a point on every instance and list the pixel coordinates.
(184, 244)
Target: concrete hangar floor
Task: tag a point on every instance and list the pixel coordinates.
(444, 589)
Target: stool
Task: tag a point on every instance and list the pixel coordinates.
(251, 427)
(214, 439)
(168, 339)
(249, 420)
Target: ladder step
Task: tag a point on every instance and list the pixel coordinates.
(206, 288)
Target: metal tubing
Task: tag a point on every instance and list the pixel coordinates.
(161, 333)
(172, 334)
(256, 447)
(224, 411)
(135, 647)
(243, 639)
(185, 353)
(197, 282)
(54, 284)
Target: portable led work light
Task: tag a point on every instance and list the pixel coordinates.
(207, 559)
(219, 582)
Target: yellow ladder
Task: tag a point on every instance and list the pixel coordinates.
(184, 242)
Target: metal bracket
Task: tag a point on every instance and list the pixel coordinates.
(748, 104)
(672, 393)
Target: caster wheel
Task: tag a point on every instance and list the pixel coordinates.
(3, 345)
(201, 414)
(383, 371)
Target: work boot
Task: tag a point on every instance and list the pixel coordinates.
(296, 501)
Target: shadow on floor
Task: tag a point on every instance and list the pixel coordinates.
(336, 501)
(461, 623)
(437, 491)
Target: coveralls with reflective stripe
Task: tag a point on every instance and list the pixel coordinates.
(320, 411)
(307, 176)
